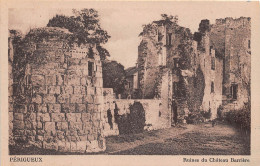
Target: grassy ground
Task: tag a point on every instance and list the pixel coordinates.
(201, 139)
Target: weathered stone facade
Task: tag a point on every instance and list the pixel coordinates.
(63, 96)
(232, 39)
(209, 68)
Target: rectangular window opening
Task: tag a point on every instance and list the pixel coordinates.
(234, 89)
(212, 87)
(213, 63)
(90, 68)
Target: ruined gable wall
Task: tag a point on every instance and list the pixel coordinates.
(148, 62)
(63, 103)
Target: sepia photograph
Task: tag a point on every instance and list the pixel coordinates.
(131, 78)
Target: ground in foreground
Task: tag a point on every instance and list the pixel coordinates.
(201, 139)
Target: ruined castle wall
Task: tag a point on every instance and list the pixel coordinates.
(148, 62)
(63, 99)
(237, 63)
(212, 98)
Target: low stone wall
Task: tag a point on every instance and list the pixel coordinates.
(154, 118)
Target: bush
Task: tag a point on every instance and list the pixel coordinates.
(206, 114)
(194, 118)
(240, 118)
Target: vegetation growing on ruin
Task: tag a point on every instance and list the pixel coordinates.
(114, 76)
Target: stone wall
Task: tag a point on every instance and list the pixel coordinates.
(235, 35)
(10, 88)
(212, 98)
(155, 116)
(63, 97)
(110, 123)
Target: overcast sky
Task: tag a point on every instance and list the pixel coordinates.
(124, 20)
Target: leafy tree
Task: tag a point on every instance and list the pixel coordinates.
(85, 27)
(114, 76)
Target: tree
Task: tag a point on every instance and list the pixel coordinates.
(114, 76)
(85, 28)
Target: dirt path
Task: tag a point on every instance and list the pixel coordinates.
(200, 139)
(126, 142)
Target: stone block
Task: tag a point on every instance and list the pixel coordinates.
(20, 108)
(98, 99)
(83, 138)
(57, 117)
(88, 99)
(83, 81)
(32, 117)
(87, 126)
(59, 79)
(91, 137)
(49, 128)
(61, 146)
(76, 98)
(54, 89)
(67, 90)
(49, 98)
(86, 117)
(73, 80)
(73, 117)
(31, 108)
(62, 126)
(75, 125)
(79, 90)
(40, 132)
(67, 146)
(98, 82)
(18, 124)
(73, 147)
(90, 90)
(39, 125)
(18, 132)
(39, 138)
(68, 108)
(43, 117)
(42, 108)
(96, 123)
(54, 108)
(10, 116)
(28, 125)
(75, 72)
(63, 98)
(81, 146)
(18, 116)
(60, 134)
(37, 80)
(51, 145)
(50, 80)
(90, 107)
(99, 91)
(81, 108)
(37, 99)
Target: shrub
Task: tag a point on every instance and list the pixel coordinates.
(194, 118)
(240, 118)
(206, 114)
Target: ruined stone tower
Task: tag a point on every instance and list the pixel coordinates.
(58, 100)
